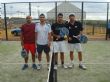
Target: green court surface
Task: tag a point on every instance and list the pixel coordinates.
(96, 56)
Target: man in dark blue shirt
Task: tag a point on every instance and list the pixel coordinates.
(75, 29)
(59, 43)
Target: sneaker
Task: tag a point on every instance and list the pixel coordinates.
(39, 66)
(55, 67)
(81, 66)
(64, 66)
(34, 66)
(71, 65)
(25, 66)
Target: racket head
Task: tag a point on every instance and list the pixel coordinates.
(83, 39)
(64, 31)
(24, 53)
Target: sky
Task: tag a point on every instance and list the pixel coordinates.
(88, 7)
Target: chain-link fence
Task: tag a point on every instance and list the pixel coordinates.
(93, 15)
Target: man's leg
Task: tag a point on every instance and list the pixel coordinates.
(33, 51)
(39, 50)
(80, 57)
(55, 60)
(25, 66)
(47, 50)
(71, 55)
(79, 49)
(39, 57)
(26, 60)
(48, 59)
(62, 58)
(81, 65)
(71, 59)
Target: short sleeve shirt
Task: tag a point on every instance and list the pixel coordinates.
(74, 30)
(42, 33)
(28, 33)
(56, 30)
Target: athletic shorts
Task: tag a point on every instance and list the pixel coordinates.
(75, 46)
(31, 48)
(60, 46)
(41, 48)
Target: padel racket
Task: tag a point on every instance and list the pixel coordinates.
(64, 32)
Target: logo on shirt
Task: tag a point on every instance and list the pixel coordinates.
(69, 27)
(76, 26)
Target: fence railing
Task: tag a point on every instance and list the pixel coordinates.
(93, 15)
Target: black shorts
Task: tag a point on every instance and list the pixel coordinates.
(41, 48)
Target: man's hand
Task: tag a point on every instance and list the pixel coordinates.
(69, 38)
(49, 44)
(22, 44)
(58, 37)
(77, 36)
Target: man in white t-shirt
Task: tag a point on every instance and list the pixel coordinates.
(43, 38)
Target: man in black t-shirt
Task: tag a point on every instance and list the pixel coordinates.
(75, 29)
(59, 43)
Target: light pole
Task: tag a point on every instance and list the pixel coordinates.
(11, 12)
(38, 11)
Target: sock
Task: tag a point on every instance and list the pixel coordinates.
(80, 62)
(72, 61)
(39, 62)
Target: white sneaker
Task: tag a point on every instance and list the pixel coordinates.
(82, 66)
(39, 66)
(64, 66)
(55, 67)
(71, 65)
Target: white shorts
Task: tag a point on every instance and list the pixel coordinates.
(60, 46)
(75, 46)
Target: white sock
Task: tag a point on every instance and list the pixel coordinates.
(80, 62)
(72, 61)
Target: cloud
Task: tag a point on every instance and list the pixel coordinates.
(93, 10)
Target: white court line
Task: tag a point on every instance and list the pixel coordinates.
(60, 64)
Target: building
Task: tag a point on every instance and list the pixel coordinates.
(66, 8)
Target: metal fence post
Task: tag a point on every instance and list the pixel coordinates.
(5, 21)
(107, 21)
(82, 13)
(56, 11)
(30, 8)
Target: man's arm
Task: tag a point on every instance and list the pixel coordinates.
(36, 33)
(21, 38)
(36, 36)
(52, 33)
(49, 38)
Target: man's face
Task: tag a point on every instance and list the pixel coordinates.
(29, 19)
(60, 18)
(42, 18)
(72, 18)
